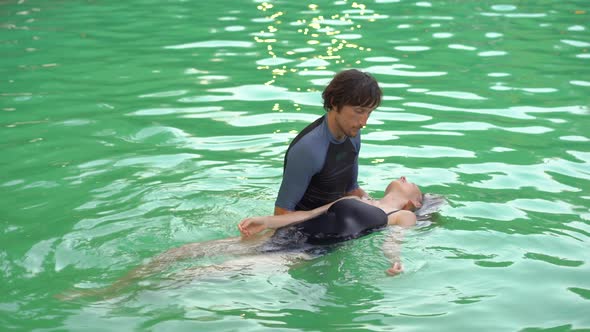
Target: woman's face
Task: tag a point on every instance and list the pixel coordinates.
(407, 189)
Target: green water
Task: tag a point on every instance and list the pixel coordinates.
(131, 127)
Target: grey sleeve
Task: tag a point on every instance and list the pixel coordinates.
(302, 162)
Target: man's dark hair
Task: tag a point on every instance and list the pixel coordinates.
(352, 87)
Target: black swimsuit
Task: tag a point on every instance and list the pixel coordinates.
(346, 219)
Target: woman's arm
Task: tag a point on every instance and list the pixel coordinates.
(392, 246)
(391, 249)
(253, 225)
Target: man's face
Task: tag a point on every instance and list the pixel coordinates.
(351, 119)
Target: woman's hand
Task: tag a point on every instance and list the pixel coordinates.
(251, 226)
(395, 269)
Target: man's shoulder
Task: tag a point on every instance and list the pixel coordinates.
(313, 136)
(311, 129)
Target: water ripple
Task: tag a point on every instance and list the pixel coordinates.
(505, 176)
(397, 70)
(516, 112)
(469, 126)
(212, 44)
(542, 205)
(256, 92)
(457, 95)
(425, 151)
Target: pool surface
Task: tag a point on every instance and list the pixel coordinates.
(128, 128)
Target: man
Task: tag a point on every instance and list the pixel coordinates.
(321, 163)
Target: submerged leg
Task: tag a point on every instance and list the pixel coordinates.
(244, 264)
(231, 246)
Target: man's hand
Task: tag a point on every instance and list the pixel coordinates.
(359, 192)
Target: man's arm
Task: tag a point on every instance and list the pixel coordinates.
(358, 192)
(302, 162)
(279, 211)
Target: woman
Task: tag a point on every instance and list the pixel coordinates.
(345, 219)
(297, 232)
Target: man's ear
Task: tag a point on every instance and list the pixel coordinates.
(334, 107)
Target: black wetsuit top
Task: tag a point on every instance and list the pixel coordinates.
(344, 220)
(318, 169)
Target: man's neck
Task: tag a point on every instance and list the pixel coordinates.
(332, 127)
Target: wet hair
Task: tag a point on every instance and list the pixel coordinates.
(352, 87)
(431, 203)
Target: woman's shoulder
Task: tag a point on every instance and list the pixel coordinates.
(403, 218)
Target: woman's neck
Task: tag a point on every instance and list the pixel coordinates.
(391, 202)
